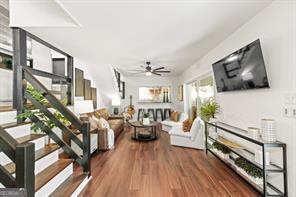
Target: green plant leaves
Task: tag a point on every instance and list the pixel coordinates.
(224, 149)
(250, 168)
(209, 109)
(41, 99)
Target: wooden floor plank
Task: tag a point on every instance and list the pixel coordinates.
(157, 169)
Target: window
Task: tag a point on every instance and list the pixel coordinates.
(198, 92)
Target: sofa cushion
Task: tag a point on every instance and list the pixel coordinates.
(104, 123)
(93, 123)
(102, 113)
(177, 131)
(171, 123)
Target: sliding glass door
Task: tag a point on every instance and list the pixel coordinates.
(199, 91)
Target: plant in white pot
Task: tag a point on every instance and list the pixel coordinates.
(208, 110)
(146, 120)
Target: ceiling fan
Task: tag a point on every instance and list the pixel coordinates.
(149, 70)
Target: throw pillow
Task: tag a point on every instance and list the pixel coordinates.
(187, 125)
(93, 123)
(104, 123)
(102, 113)
(175, 116)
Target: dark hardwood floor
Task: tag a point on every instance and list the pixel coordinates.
(157, 169)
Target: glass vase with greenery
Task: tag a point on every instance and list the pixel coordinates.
(209, 109)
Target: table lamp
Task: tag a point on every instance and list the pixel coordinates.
(82, 108)
(115, 104)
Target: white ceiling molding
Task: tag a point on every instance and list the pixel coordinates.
(45, 13)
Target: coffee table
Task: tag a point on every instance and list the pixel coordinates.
(150, 131)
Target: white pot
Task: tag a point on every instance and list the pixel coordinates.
(146, 121)
(213, 120)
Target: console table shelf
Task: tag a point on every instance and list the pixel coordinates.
(267, 189)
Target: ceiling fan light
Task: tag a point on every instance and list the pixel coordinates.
(148, 73)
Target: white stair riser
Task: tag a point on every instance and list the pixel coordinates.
(54, 183)
(7, 117)
(19, 131)
(4, 159)
(46, 161)
(39, 143)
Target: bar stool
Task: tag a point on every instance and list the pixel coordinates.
(158, 112)
(151, 114)
(140, 115)
(167, 113)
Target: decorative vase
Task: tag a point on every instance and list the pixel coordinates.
(268, 130)
(146, 121)
(213, 120)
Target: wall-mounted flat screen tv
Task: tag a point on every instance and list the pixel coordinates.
(244, 69)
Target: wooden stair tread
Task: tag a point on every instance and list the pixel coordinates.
(28, 138)
(13, 124)
(69, 185)
(50, 172)
(39, 154)
(6, 108)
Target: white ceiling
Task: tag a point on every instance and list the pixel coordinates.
(125, 34)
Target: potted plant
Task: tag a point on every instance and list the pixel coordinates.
(209, 109)
(222, 150)
(146, 120)
(250, 170)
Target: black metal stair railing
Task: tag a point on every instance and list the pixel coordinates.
(83, 127)
(23, 155)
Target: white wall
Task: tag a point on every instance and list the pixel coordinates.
(87, 75)
(132, 85)
(276, 28)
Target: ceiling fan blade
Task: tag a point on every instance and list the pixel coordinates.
(156, 73)
(163, 71)
(158, 68)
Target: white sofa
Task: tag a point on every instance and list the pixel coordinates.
(192, 139)
(167, 125)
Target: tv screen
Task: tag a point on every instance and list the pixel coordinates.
(241, 70)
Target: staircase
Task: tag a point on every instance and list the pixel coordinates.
(26, 159)
(54, 176)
